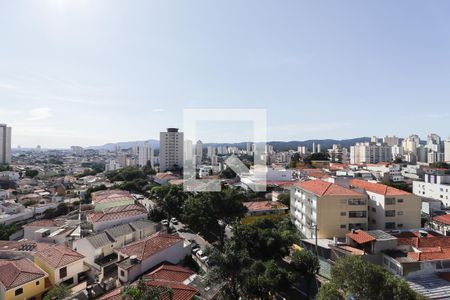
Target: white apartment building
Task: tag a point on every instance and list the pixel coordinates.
(199, 152)
(170, 149)
(77, 150)
(338, 154)
(370, 153)
(435, 187)
(391, 140)
(145, 154)
(5, 144)
(447, 150)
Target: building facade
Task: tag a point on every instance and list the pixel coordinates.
(5, 144)
(170, 150)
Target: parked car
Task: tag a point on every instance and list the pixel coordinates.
(165, 222)
(195, 249)
(202, 256)
(174, 221)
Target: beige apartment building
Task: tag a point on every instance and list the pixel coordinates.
(389, 208)
(334, 209)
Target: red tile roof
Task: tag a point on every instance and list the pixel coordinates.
(118, 212)
(170, 273)
(180, 291)
(322, 188)
(151, 245)
(361, 237)
(47, 223)
(170, 276)
(111, 196)
(59, 256)
(264, 205)
(443, 219)
(378, 188)
(14, 273)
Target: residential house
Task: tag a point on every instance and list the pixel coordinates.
(64, 265)
(140, 256)
(99, 249)
(111, 198)
(39, 229)
(264, 209)
(21, 279)
(441, 224)
(113, 216)
(177, 278)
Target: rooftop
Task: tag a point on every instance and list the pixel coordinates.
(322, 188)
(59, 256)
(151, 245)
(118, 212)
(378, 188)
(264, 205)
(443, 219)
(14, 273)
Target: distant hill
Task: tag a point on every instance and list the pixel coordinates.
(125, 145)
(277, 145)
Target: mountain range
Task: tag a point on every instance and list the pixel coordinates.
(277, 145)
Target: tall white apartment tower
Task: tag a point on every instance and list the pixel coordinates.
(5, 144)
(170, 149)
(447, 150)
(145, 154)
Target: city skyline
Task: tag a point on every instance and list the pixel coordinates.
(108, 71)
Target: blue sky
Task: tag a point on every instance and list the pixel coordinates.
(83, 72)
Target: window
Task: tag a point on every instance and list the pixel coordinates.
(390, 213)
(343, 213)
(63, 272)
(374, 209)
(399, 213)
(343, 226)
(122, 273)
(18, 292)
(400, 225)
(390, 225)
(390, 201)
(37, 283)
(356, 201)
(400, 201)
(357, 214)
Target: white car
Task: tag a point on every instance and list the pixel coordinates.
(165, 222)
(201, 256)
(195, 249)
(174, 221)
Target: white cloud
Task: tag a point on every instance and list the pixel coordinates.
(39, 113)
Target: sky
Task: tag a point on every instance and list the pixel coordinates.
(84, 72)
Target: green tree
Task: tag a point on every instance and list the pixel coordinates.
(294, 160)
(329, 291)
(170, 199)
(6, 231)
(285, 198)
(148, 170)
(307, 264)
(364, 280)
(58, 292)
(31, 173)
(143, 291)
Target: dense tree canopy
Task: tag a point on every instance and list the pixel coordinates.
(353, 275)
(58, 292)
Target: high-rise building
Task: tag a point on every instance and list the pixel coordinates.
(319, 149)
(391, 140)
(410, 144)
(447, 150)
(170, 149)
(211, 151)
(5, 144)
(77, 150)
(145, 154)
(199, 151)
(369, 153)
(338, 154)
(249, 148)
